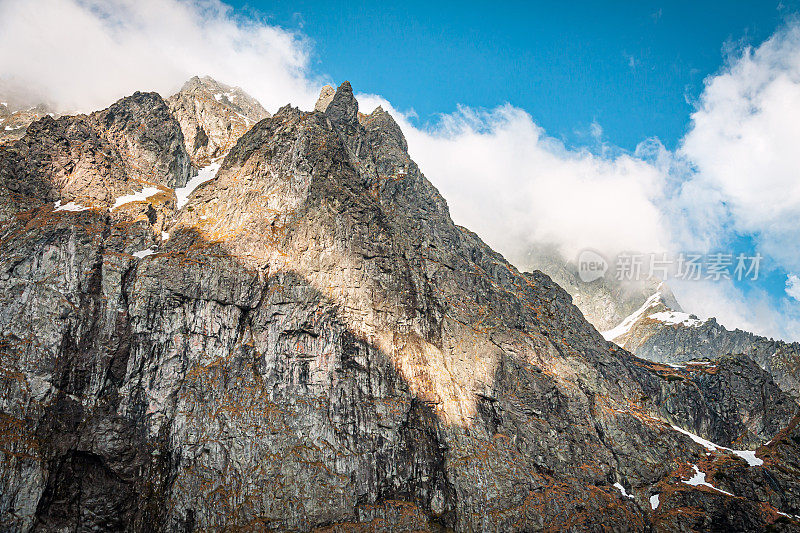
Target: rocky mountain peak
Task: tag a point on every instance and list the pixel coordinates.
(142, 128)
(343, 107)
(213, 116)
(325, 97)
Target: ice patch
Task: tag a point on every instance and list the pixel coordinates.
(622, 490)
(747, 455)
(203, 175)
(71, 206)
(141, 196)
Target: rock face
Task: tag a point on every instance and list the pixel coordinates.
(317, 345)
(213, 116)
(673, 342)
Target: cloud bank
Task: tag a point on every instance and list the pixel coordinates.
(86, 54)
(735, 172)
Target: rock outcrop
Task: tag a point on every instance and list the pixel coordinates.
(14, 122)
(680, 341)
(212, 117)
(317, 345)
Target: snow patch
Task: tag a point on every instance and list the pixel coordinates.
(144, 253)
(164, 236)
(140, 196)
(626, 325)
(699, 479)
(71, 206)
(747, 455)
(654, 502)
(673, 318)
(203, 175)
(622, 490)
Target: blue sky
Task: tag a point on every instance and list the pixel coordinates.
(632, 67)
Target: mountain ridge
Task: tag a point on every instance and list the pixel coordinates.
(317, 344)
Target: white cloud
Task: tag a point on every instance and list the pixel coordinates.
(793, 286)
(504, 178)
(85, 54)
(743, 146)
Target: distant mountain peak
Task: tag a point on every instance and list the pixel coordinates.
(213, 116)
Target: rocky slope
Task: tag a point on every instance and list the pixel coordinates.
(212, 117)
(661, 334)
(14, 121)
(310, 342)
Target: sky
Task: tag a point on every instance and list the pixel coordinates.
(632, 67)
(622, 127)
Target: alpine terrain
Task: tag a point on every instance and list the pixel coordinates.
(216, 319)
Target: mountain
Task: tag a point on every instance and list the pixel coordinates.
(309, 342)
(212, 117)
(605, 302)
(645, 318)
(658, 332)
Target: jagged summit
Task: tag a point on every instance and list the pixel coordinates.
(213, 116)
(311, 342)
(343, 108)
(325, 97)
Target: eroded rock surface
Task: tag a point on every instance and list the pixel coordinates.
(213, 116)
(317, 345)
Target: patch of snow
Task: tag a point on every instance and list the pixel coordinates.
(71, 206)
(747, 455)
(699, 479)
(625, 326)
(9, 128)
(217, 96)
(622, 490)
(203, 175)
(144, 253)
(654, 502)
(674, 317)
(164, 236)
(141, 196)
